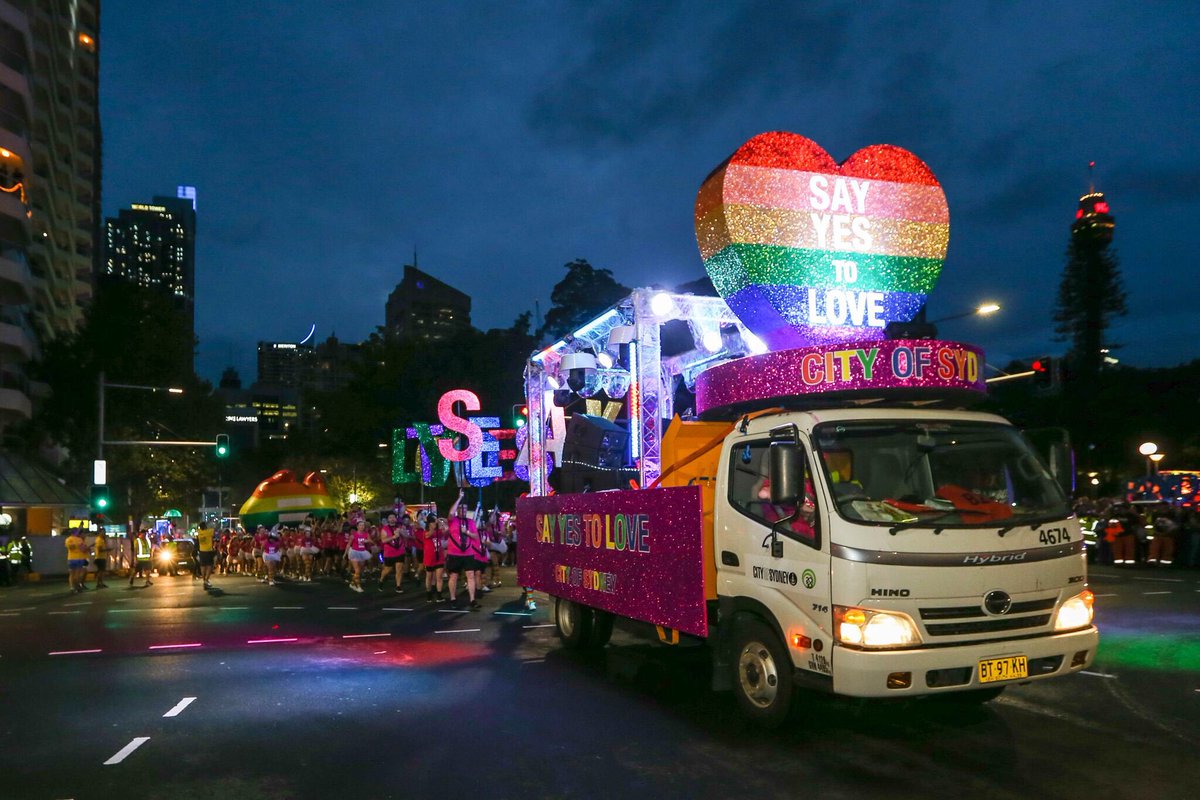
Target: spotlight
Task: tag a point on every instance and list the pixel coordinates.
(577, 366)
(712, 341)
(604, 360)
(661, 304)
(757, 346)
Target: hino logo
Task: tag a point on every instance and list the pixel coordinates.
(995, 558)
(890, 593)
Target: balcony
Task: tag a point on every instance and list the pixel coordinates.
(14, 406)
(16, 282)
(16, 345)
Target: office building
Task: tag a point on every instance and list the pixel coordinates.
(154, 245)
(424, 308)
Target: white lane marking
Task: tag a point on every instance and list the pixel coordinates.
(269, 641)
(34, 608)
(409, 609)
(126, 610)
(69, 605)
(11, 614)
(514, 613)
(233, 608)
(1109, 594)
(363, 635)
(1161, 580)
(63, 612)
(180, 706)
(343, 608)
(72, 652)
(124, 752)
(461, 630)
(172, 646)
(547, 625)
(382, 652)
(452, 611)
(1095, 674)
(123, 599)
(1157, 593)
(288, 608)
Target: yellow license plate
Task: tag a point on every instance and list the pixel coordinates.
(1003, 669)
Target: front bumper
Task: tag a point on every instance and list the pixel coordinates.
(938, 670)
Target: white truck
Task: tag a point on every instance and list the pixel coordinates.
(866, 538)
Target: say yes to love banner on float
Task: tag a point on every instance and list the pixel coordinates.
(808, 251)
(638, 554)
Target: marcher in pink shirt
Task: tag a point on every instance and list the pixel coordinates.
(358, 551)
(391, 537)
(460, 552)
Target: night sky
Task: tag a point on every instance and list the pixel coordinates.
(504, 140)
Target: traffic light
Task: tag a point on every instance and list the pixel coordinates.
(222, 449)
(1043, 370)
(520, 415)
(101, 500)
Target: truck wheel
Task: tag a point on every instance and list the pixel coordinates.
(574, 622)
(602, 628)
(762, 673)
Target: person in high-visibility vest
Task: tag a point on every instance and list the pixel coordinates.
(16, 559)
(142, 550)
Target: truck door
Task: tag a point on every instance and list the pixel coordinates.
(794, 585)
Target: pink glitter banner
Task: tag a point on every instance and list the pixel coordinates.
(636, 553)
(898, 367)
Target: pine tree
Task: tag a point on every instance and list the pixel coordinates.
(1090, 296)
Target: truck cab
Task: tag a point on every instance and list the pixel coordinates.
(894, 551)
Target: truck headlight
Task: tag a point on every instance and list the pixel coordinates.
(863, 627)
(1075, 612)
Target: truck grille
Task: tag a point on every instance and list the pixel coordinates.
(969, 620)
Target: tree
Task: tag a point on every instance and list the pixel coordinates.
(581, 295)
(1089, 297)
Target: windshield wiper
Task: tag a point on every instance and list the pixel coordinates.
(903, 526)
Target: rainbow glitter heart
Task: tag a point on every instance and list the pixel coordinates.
(807, 251)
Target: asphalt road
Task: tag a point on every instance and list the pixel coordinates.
(311, 691)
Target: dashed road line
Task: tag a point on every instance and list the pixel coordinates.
(73, 652)
(461, 630)
(546, 625)
(179, 707)
(63, 612)
(1108, 594)
(343, 608)
(288, 608)
(1096, 674)
(363, 635)
(1157, 593)
(11, 614)
(68, 605)
(270, 641)
(124, 752)
(1161, 580)
(397, 609)
(174, 646)
(453, 611)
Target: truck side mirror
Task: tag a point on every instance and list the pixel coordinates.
(785, 473)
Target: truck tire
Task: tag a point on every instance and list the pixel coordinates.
(762, 673)
(602, 628)
(574, 623)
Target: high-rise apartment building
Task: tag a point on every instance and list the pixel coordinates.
(49, 180)
(422, 307)
(154, 245)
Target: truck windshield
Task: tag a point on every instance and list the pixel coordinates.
(936, 474)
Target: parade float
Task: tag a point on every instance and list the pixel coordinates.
(827, 511)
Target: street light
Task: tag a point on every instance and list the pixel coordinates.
(1148, 449)
(1155, 458)
(100, 413)
(981, 310)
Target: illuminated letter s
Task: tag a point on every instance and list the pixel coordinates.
(457, 424)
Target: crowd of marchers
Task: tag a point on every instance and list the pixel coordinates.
(1122, 533)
